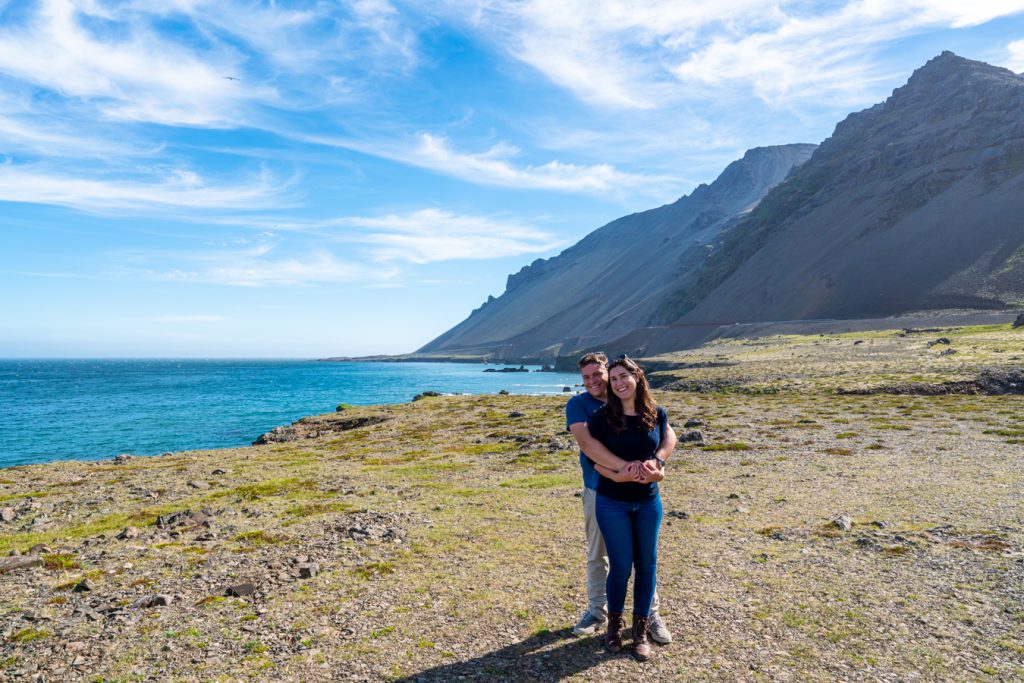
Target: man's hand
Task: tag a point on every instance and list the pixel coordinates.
(627, 473)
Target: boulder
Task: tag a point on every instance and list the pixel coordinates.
(10, 564)
(426, 394)
(154, 600)
(843, 523)
(691, 437)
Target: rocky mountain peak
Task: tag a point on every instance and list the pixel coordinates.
(954, 84)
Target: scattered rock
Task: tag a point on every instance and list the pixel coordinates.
(154, 600)
(219, 471)
(733, 496)
(184, 518)
(82, 586)
(373, 526)
(566, 390)
(516, 413)
(700, 386)
(426, 394)
(947, 352)
(123, 458)
(940, 340)
(10, 564)
(679, 514)
(1019, 322)
(308, 570)
(39, 549)
(240, 590)
(129, 532)
(198, 484)
(693, 422)
(503, 392)
(691, 437)
(38, 522)
(7, 515)
(993, 382)
(843, 522)
(310, 428)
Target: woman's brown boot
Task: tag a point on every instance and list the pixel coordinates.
(613, 637)
(641, 646)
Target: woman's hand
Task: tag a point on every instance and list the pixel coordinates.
(651, 472)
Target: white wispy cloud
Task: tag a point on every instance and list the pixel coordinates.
(316, 267)
(189, 318)
(175, 189)
(608, 52)
(1015, 56)
(28, 130)
(128, 71)
(370, 251)
(647, 53)
(430, 235)
(827, 53)
(495, 166)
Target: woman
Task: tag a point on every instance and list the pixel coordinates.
(631, 425)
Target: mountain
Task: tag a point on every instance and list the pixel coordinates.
(617, 277)
(915, 204)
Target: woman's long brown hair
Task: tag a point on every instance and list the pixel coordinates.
(646, 408)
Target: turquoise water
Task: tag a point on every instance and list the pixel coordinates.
(94, 409)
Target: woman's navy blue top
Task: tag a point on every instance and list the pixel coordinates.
(632, 443)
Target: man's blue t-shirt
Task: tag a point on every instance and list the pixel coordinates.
(579, 409)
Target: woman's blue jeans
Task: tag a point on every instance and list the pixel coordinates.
(630, 531)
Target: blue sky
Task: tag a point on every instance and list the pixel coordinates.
(305, 179)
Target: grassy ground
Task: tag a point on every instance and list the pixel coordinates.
(474, 562)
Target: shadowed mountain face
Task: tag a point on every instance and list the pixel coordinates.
(617, 278)
(914, 204)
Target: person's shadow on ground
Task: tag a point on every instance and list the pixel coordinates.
(533, 659)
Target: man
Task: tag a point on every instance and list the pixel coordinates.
(580, 407)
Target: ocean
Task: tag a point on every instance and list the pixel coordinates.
(96, 409)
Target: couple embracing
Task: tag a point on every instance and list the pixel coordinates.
(624, 440)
